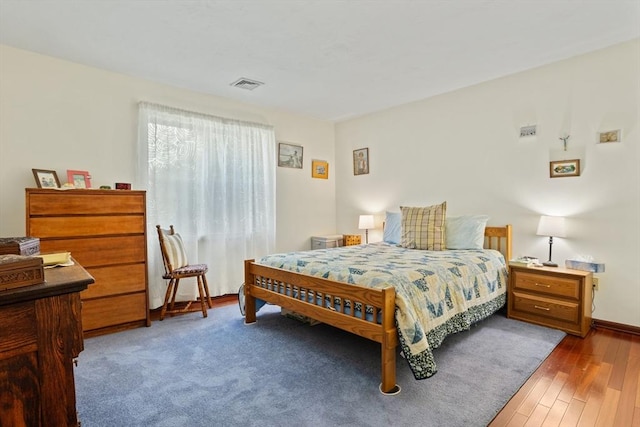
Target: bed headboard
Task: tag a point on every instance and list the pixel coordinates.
(499, 238)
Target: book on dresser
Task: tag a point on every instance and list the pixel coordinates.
(105, 231)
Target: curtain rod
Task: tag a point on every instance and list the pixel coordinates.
(204, 115)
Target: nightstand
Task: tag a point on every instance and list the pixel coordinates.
(551, 296)
(352, 239)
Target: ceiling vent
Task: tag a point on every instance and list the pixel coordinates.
(245, 83)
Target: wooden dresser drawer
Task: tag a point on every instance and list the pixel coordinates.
(83, 226)
(115, 280)
(83, 202)
(547, 307)
(102, 312)
(551, 285)
(92, 252)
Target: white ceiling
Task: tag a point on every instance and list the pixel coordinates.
(330, 59)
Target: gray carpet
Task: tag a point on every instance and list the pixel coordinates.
(190, 371)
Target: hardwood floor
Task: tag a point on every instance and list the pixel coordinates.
(593, 381)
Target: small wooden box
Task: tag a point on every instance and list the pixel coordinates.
(19, 245)
(352, 239)
(17, 271)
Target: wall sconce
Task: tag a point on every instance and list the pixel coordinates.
(552, 226)
(365, 223)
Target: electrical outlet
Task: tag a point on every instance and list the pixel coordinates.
(596, 283)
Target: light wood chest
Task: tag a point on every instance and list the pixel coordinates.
(105, 231)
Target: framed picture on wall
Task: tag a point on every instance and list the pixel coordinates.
(361, 161)
(46, 178)
(79, 179)
(562, 168)
(289, 155)
(319, 169)
(609, 136)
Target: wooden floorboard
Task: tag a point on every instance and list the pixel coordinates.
(591, 381)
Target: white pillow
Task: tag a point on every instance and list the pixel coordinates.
(176, 254)
(392, 227)
(465, 232)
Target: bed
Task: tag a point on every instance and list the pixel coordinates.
(355, 289)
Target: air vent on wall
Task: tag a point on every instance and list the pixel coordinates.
(245, 83)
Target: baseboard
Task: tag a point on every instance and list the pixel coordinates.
(604, 324)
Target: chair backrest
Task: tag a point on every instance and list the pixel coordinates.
(173, 254)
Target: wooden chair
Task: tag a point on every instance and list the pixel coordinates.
(177, 267)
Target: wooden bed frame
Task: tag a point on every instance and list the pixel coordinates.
(260, 282)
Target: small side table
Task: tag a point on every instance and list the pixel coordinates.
(551, 296)
(352, 239)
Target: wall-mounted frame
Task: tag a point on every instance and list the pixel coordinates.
(46, 178)
(79, 179)
(609, 136)
(361, 161)
(289, 155)
(562, 168)
(528, 131)
(319, 169)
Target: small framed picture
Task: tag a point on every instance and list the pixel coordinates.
(361, 161)
(289, 155)
(79, 179)
(319, 169)
(561, 168)
(609, 136)
(46, 178)
(527, 131)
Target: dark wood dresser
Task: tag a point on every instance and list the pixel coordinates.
(40, 335)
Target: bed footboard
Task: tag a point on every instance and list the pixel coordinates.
(363, 311)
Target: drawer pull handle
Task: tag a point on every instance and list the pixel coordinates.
(543, 285)
(542, 308)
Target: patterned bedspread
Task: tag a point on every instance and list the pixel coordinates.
(438, 293)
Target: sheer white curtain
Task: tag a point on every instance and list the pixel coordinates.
(214, 180)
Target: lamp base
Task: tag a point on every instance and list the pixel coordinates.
(549, 264)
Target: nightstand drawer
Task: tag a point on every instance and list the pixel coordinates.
(551, 285)
(547, 307)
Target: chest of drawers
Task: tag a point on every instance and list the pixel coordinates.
(105, 231)
(556, 297)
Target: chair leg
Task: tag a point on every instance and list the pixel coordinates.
(206, 290)
(167, 294)
(203, 303)
(173, 296)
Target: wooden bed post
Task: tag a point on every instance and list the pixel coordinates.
(249, 300)
(388, 344)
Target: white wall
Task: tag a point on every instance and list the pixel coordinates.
(464, 147)
(59, 115)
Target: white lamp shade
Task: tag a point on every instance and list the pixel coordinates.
(366, 222)
(552, 226)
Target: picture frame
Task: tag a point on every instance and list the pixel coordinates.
(46, 178)
(562, 168)
(290, 155)
(609, 136)
(79, 179)
(528, 131)
(319, 169)
(361, 161)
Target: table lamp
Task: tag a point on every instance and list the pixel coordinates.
(365, 223)
(552, 226)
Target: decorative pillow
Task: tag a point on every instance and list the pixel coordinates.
(465, 232)
(176, 255)
(392, 227)
(424, 228)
